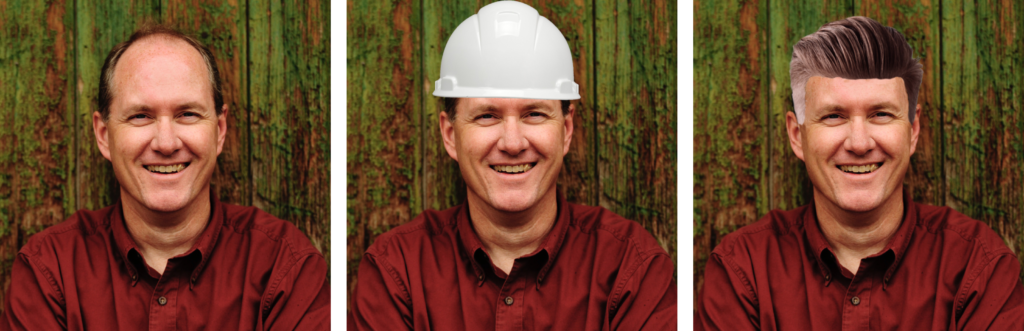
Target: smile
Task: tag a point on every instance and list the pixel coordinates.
(513, 169)
(859, 169)
(168, 169)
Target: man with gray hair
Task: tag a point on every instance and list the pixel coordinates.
(862, 255)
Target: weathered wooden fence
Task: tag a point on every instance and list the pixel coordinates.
(623, 150)
(275, 64)
(970, 154)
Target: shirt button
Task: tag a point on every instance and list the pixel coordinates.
(855, 301)
(134, 277)
(480, 276)
(162, 301)
(508, 301)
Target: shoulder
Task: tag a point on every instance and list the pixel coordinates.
(599, 221)
(271, 232)
(422, 230)
(777, 226)
(70, 233)
(958, 229)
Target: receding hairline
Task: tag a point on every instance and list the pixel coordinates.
(196, 57)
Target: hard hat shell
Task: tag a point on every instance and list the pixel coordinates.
(507, 50)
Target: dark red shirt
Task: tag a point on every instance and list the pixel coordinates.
(594, 271)
(940, 271)
(248, 271)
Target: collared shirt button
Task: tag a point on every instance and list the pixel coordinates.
(480, 276)
(827, 277)
(855, 301)
(162, 301)
(508, 301)
(134, 277)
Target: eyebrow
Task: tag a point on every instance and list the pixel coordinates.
(832, 108)
(528, 107)
(145, 108)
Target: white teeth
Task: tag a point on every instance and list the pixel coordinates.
(166, 169)
(513, 169)
(863, 169)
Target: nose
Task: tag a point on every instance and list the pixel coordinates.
(859, 140)
(165, 140)
(512, 140)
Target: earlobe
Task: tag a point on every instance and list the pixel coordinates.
(222, 128)
(448, 135)
(915, 129)
(99, 129)
(795, 139)
(569, 126)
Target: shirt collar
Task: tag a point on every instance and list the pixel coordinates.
(897, 245)
(126, 245)
(549, 247)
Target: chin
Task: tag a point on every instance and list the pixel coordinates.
(512, 201)
(863, 202)
(166, 202)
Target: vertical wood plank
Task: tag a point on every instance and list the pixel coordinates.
(36, 66)
(635, 105)
(982, 97)
(289, 113)
(730, 107)
(221, 27)
(99, 25)
(383, 117)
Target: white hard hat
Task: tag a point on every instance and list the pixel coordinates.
(507, 50)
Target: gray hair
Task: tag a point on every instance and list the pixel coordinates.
(854, 48)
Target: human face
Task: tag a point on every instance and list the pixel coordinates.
(509, 150)
(163, 134)
(856, 141)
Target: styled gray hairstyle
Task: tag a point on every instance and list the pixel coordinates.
(854, 48)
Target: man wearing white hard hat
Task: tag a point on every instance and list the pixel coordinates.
(515, 255)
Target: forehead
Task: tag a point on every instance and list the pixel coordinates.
(161, 60)
(507, 104)
(824, 92)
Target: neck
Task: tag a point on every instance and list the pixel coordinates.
(857, 235)
(161, 236)
(507, 236)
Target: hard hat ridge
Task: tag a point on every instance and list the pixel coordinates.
(507, 50)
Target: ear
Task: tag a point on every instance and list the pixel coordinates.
(915, 129)
(222, 128)
(99, 129)
(448, 135)
(795, 140)
(568, 128)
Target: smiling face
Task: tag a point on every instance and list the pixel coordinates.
(163, 133)
(856, 141)
(509, 150)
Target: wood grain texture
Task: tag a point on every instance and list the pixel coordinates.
(35, 68)
(730, 106)
(397, 164)
(970, 145)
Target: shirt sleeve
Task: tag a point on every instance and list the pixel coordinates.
(994, 299)
(301, 299)
(33, 301)
(648, 300)
(379, 301)
(727, 301)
